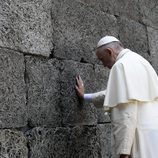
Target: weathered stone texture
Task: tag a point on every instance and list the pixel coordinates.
(127, 8)
(26, 26)
(101, 75)
(73, 111)
(149, 12)
(134, 36)
(48, 142)
(44, 44)
(43, 91)
(13, 112)
(153, 46)
(100, 82)
(104, 132)
(77, 28)
(102, 116)
(100, 5)
(66, 142)
(13, 144)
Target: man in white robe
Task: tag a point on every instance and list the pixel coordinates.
(131, 97)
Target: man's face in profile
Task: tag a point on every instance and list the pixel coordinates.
(106, 56)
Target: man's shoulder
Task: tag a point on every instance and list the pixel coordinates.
(130, 57)
(127, 60)
(132, 62)
(117, 67)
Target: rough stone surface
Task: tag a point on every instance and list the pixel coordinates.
(149, 12)
(44, 44)
(100, 5)
(76, 30)
(26, 26)
(153, 38)
(101, 75)
(134, 36)
(13, 144)
(43, 91)
(13, 112)
(102, 116)
(75, 112)
(104, 132)
(127, 8)
(100, 81)
(78, 142)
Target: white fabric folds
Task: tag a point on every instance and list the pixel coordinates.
(131, 78)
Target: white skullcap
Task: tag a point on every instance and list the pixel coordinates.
(106, 40)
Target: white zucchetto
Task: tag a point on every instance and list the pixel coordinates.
(106, 40)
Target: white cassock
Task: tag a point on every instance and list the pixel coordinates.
(132, 97)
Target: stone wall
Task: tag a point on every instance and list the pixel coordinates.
(44, 44)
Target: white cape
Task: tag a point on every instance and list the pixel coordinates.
(133, 87)
(131, 78)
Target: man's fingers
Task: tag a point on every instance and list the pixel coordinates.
(79, 81)
(79, 78)
(77, 88)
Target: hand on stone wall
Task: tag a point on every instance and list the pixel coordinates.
(79, 87)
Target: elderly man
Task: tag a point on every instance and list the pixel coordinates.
(131, 97)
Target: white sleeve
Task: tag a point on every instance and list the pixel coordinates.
(88, 97)
(96, 98)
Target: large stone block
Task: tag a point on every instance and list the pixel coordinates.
(13, 144)
(100, 5)
(78, 29)
(149, 12)
(134, 36)
(153, 46)
(26, 26)
(43, 91)
(65, 142)
(75, 112)
(13, 112)
(100, 81)
(127, 8)
(48, 142)
(95, 79)
(101, 75)
(104, 132)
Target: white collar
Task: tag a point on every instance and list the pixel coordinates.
(124, 51)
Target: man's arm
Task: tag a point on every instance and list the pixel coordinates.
(96, 98)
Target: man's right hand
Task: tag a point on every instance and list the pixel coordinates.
(79, 87)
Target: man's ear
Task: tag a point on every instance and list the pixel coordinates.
(109, 51)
